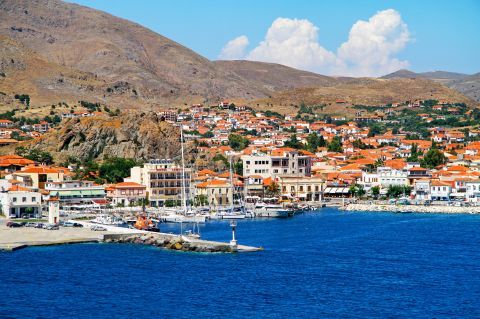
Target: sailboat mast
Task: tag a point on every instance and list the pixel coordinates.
(231, 183)
(184, 198)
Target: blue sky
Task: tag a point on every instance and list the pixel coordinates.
(441, 35)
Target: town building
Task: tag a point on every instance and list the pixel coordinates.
(163, 180)
(126, 194)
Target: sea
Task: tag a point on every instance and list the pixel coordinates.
(323, 264)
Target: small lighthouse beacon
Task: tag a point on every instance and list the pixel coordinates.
(53, 211)
(233, 242)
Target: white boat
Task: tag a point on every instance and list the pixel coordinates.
(271, 210)
(177, 218)
(111, 220)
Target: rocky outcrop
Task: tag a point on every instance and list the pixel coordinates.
(131, 135)
(172, 242)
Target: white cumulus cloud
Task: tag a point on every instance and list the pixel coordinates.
(293, 42)
(235, 49)
(369, 51)
(372, 44)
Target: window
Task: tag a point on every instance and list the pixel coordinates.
(24, 199)
(14, 199)
(34, 199)
(247, 162)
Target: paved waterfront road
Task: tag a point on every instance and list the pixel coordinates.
(326, 265)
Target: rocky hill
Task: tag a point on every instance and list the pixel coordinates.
(128, 56)
(277, 77)
(134, 135)
(72, 52)
(468, 85)
(364, 91)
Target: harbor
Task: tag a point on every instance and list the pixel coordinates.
(12, 239)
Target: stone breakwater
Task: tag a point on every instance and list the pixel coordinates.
(411, 209)
(176, 242)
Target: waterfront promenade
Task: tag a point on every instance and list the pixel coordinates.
(16, 238)
(411, 208)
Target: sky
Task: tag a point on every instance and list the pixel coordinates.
(355, 38)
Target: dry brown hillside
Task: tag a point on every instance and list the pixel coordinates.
(277, 77)
(363, 91)
(66, 52)
(127, 55)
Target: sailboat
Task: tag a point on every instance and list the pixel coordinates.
(188, 215)
(234, 212)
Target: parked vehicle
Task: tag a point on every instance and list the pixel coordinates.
(51, 227)
(39, 225)
(77, 225)
(67, 224)
(30, 224)
(98, 228)
(14, 225)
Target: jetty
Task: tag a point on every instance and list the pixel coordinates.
(12, 239)
(411, 208)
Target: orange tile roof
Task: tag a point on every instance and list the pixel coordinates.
(128, 185)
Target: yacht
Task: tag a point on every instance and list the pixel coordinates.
(272, 210)
(111, 220)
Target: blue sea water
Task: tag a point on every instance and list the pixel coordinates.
(329, 264)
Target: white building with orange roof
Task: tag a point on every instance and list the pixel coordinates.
(473, 191)
(17, 201)
(440, 190)
(39, 175)
(163, 180)
(218, 192)
(75, 192)
(126, 194)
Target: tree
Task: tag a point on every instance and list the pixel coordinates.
(238, 168)
(293, 142)
(35, 155)
(115, 169)
(433, 158)
(335, 145)
(375, 129)
(398, 190)
(237, 142)
(414, 153)
(314, 141)
(375, 191)
(273, 189)
(357, 190)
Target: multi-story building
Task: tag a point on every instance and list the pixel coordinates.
(39, 175)
(126, 193)
(169, 115)
(392, 177)
(301, 187)
(440, 190)
(75, 192)
(473, 191)
(422, 189)
(282, 161)
(163, 180)
(217, 192)
(17, 202)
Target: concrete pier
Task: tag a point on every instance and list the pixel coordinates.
(12, 239)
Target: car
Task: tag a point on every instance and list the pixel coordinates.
(98, 228)
(14, 225)
(67, 224)
(39, 225)
(77, 225)
(30, 224)
(51, 227)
